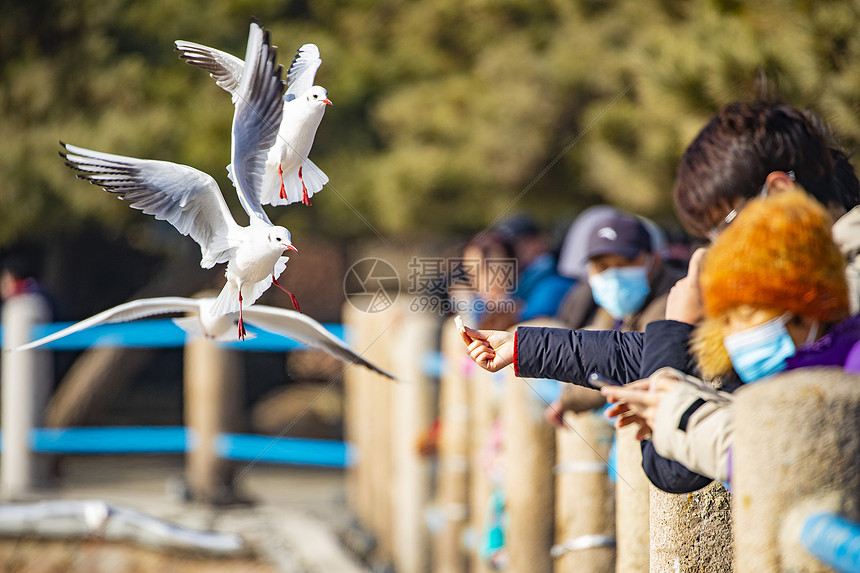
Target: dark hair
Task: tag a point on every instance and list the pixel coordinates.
(24, 263)
(487, 241)
(847, 186)
(734, 153)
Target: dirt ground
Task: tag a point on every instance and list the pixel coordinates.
(288, 528)
(92, 556)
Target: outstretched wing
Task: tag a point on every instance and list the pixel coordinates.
(258, 114)
(187, 198)
(306, 330)
(303, 70)
(224, 68)
(123, 313)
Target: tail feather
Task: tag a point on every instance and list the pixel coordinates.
(312, 175)
(191, 325)
(271, 189)
(227, 301)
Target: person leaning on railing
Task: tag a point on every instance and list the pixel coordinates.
(744, 147)
(775, 299)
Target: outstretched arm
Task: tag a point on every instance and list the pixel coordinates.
(557, 353)
(492, 350)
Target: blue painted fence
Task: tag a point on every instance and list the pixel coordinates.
(161, 333)
(834, 540)
(179, 440)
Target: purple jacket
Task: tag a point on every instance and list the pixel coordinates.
(839, 347)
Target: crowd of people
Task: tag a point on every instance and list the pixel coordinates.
(772, 198)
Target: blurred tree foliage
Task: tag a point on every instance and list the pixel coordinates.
(447, 112)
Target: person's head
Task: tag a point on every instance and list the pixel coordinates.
(748, 145)
(772, 281)
(525, 237)
(486, 249)
(620, 259)
(18, 273)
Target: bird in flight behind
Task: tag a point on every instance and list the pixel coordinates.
(290, 175)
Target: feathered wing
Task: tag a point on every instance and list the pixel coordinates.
(187, 198)
(127, 312)
(224, 68)
(306, 330)
(258, 114)
(303, 70)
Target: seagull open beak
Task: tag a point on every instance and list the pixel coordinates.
(327, 101)
(291, 247)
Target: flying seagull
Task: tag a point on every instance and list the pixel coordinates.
(192, 201)
(288, 323)
(290, 175)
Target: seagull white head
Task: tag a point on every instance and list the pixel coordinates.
(318, 95)
(280, 237)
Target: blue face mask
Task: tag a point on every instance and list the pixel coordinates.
(760, 351)
(621, 291)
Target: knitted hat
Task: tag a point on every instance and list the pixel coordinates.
(777, 254)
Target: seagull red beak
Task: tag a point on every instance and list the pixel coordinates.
(291, 247)
(327, 101)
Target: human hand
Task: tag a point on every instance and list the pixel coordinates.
(625, 416)
(637, 403)
(492, 350)
(554, 414)
(684, 302)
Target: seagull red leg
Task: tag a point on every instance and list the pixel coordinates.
(292, 297)
(281, 173)
(305, 199)
(241, 322)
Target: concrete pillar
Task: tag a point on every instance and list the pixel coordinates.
(484, 414)
(412, 412)
(26, 379)
(449, 554)
(585, 496)
(691, 532)
(529, 455)
(796, 450)
(214, 380)
(357, 403)
(631, 505)
(383, 330)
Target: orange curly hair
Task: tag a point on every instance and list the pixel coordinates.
(778, 254)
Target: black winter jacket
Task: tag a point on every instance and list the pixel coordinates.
(667, 343)
(571, 355)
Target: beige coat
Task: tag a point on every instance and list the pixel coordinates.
(694, 425)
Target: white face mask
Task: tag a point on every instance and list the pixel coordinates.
(621, 291)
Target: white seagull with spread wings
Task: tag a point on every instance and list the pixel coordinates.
(290, 175)
(191, 200)
(289, 323)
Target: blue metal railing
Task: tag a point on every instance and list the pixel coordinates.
(834, 540)
(179, 440)
(161, 333)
